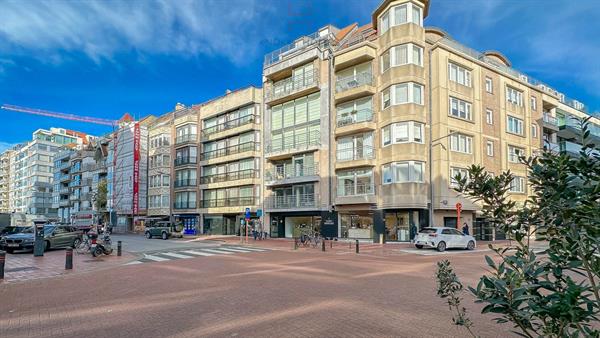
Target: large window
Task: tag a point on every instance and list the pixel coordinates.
(185, 200)
(356, 111)
(160, 140)
(459, 74)
(514, 125)
(514, 96)
(403, 172)
(355, 182)
(460, 109)
(186, 133)
(402, 132)
(514, 153)
(401, 93)
(399, 15)
(228, 120)
(402, 55)
(186, 155)
(302, 77)
(357, 147)
(295, 112)
(517, 185)
(454, 172)
(461, 143)
(160, 180)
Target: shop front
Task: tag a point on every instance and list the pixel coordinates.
(402, 225)
(189, 222)
(289, 225)
(229, 224)
(356, 225)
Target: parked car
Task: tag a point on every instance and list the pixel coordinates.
(55, 236)
(443, 238)
(163, 229)
(9, 230)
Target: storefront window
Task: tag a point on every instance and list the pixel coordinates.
(398, 225)
(356, 226)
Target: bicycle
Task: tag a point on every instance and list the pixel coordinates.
(85, 245)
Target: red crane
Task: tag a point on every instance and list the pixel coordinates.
(64, 116)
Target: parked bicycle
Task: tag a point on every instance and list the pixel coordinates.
(310, 237)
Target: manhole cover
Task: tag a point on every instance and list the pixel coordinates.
(24, 268)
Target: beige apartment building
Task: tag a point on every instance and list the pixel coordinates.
(5, 181)
(366, 126)
(159, 166)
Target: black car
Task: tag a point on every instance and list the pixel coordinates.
(55, 236)
(10, 230)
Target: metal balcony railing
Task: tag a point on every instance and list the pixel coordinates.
(184, 205)
(298, 45)
(357, 189)
(353, 154)
(292, 201)
(240, 121)
(291, 171)
(65, 165)
(187, 182)
(350, 82)
(230, 176)
(234, 149)
(550, 119)
(295, 143)
(186, 138)
(229, 202)
(363, 115)
(185, 160)
(292, 85)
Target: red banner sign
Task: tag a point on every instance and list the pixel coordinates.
(136, 168)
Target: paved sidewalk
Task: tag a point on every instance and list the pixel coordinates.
(22, 267)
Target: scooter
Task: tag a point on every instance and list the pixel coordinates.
(102, 247)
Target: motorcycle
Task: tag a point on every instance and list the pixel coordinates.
(104, 246)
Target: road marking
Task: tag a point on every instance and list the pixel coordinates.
(198, 253)
(176, 255)
(235, 250)
(155, 258)
(133, 263)
(247, 248)
(218, 252)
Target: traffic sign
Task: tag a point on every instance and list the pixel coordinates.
(247, 213)
(259, 212)
(458, 206)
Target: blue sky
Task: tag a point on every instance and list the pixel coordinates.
(105, 58)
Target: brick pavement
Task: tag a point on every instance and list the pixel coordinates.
(24, 266)
(278, 293)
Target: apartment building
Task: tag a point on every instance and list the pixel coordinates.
(5, 181)
(403, 109)
(32, 166)
(159, 166)
(229, 162)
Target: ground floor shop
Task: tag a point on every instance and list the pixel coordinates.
(390, 225)
(294, 224)
(230, 224)
(190, 223)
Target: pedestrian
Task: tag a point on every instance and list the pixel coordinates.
(465, 229)
(254, 233)
(413, 231)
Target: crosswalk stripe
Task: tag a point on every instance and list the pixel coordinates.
(235, 250)
(155, 258)
(173, 254)
(247, 248)
(133, 263)
(218, 251)
(198, 253)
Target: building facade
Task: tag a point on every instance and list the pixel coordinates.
(159, 167)
(5, 181)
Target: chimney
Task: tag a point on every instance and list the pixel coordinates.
(179, 106)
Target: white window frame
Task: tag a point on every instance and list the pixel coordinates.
(391, 91)
(514, 125)
(517, 185)
(489, 148)
(412, 176)
(461, 143)
(468, 108)
(459, 74)
(489, 85)
(391, 54)
(393, 130)
(534, 130)
(533, 103)
(514, 153)
(489, 116)
(388, 19)
(453, 173)
(514, 96)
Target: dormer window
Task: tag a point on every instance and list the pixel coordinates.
(399, 15)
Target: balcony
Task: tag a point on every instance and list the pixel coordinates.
(292, 87)
(229, 202)
(230, 176)
(303, 43)
(75, 183)
(355, 122)
(64, 190)
(184, 205)
(248, 119)
(64, 165)
(63, 203)
(570, 128)
(294, 202)
(291, 174)
(359, 193)
(230, 150)
(185, 160)
(188, 182)
(574, 149)
(64, 178)
(288, 147)
(355, 86)
(353, 157)
(550, 122)
(187, 138)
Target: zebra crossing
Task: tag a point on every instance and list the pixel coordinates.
(193, 253)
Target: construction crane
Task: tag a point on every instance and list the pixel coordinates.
(63, 116)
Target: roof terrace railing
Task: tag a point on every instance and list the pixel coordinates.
(298, 45)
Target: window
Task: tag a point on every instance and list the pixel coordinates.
(514, 153)
(295, 112)
(489, 85)
(517, 184)
(514, 96)
(355, 147)
(454, 171)
(399, 15)
(460, 109)
(403, 172)
(408, 92)
(533, 103)
(355, 182)
(489, 116)
(402, 55)
(514, 125)
(461, 143)
(534, 131)
(402, 132)
(490, 148)
(356, 111)
(459, 74)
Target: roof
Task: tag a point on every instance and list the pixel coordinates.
(385, 3)
(344, 31)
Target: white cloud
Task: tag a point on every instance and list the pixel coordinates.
(102, 29)
(5, 146)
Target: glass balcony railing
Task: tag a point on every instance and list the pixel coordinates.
(297, 143)
(185, 160)
(353, 154)
(550, 119)
(228, 125)
(356, 189)
(300, 44)
(186, 138)
(230, 176)
(231, 150)
(290, 171)
(575, 123)
(292, 201)
(189, 182)
(229, 202)
(354, 81)
(346, 119)
(292, 85)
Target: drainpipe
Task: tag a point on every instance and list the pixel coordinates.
(430, 158)
(329, 94)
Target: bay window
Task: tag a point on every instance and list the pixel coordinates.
(402, 93)
(461, 143)
(399, 15)
(402, 132)
(402, 55)
(403, 172)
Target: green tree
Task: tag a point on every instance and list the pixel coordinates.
(101, 195)
(552, 292)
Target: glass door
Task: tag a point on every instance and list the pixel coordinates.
(298, 166)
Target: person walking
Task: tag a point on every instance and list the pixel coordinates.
(465, 228)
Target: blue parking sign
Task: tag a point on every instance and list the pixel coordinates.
(259, 212)
(247, 213)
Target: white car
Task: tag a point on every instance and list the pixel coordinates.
(443, 238)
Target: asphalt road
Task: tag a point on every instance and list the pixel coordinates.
(140, 244)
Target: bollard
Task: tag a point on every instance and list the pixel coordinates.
(119, 245)
(323, 245)
(295, 243)
(331, 244)
(357, 249)
(2, 261)
(69, 259)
